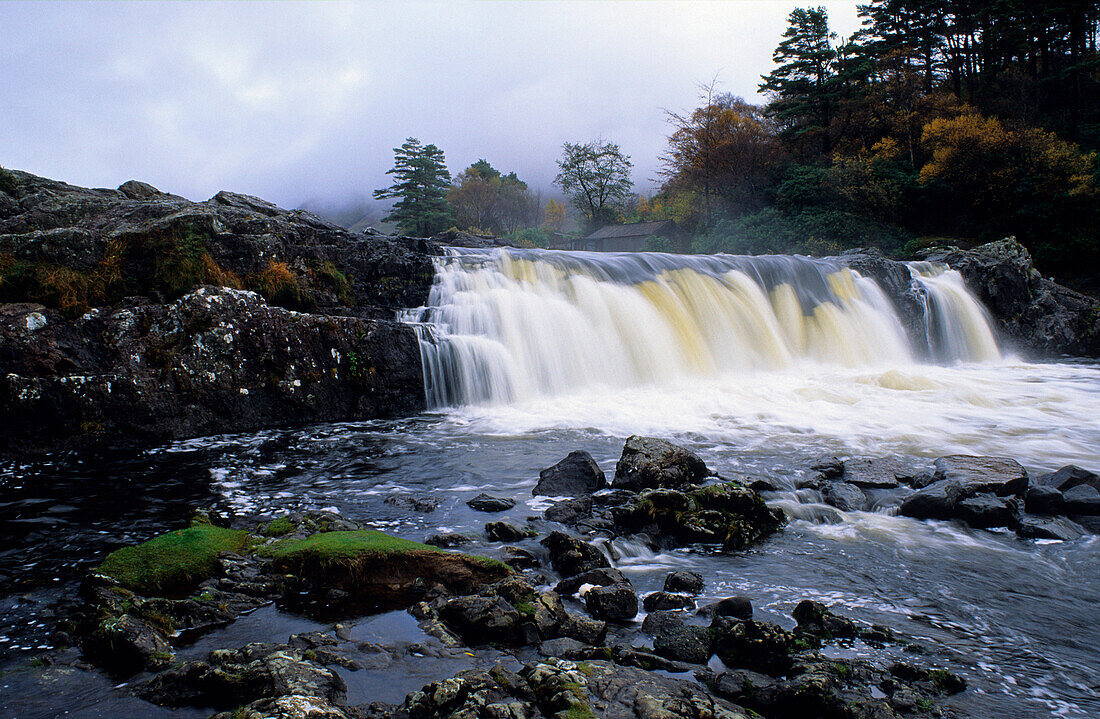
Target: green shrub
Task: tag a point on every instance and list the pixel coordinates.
(337, 280)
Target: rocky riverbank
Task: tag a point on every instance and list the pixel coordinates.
(561, 620)
(133, 316)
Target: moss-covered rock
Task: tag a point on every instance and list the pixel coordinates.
(175, 562)
(729, 514)
(371, 570)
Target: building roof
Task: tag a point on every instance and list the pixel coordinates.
(636, 229)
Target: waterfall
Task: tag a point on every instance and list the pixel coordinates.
(956, 323)
(508, 325)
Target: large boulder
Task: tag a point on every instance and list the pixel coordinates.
(1058, 528)
(1082, 499)
(649, 463)
(616, 603)
(569, 555)
(844, 496)
(576, 475)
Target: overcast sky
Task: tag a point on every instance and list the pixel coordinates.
(303, 103)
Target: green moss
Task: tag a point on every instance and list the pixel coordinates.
(586, 669)
(337, 280)
(7, 182)
(526, 609)
(40, 662)
(174, 562)
(578, 710)
(279, 527)
(343, 545)
(926, 704)
(842, 670)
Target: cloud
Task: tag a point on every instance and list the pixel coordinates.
(299, 102)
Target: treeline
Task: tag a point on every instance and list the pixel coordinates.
(939, 119)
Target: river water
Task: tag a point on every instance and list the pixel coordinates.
(1017, 618)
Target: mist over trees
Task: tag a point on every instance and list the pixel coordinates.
(938, 121)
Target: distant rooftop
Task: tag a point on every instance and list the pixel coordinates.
(634, 229)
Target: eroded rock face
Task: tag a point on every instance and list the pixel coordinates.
(178, 360)
(216, 360)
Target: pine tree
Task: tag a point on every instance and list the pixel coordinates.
(802, 88)
(421, 186)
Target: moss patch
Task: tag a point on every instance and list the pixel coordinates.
(279, 527)
(337, 546)
(174, 562)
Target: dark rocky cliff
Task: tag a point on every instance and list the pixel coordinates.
(133, 316)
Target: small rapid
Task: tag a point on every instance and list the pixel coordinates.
(503, 326)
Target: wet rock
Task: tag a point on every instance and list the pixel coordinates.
(570, 556)
(230, 678)
(999, 475)
(740, 684)
(576, 475)
(296, 706)
(763, 485)
(568, 511)
(985, 512)
(729, 514)
(616, 603)
(828, 467)
(936, 501)
(506, 532)
(649, 463)
(583, 629)
(876, 473)
(660, 601)
(844, 496)
(483, 620)
(601, 577)
(565, 648)
(486, 503)
(738, 607)
(659, 621)
(126, 644)
(424, 505)
(815, 619)
(1044, 499)
(1082, 499)
(684, 582)
(560, 689)
(1069, 477)
(1049, 528)
(520, 558)
(684, 644)
(758, 646)
(448, 540)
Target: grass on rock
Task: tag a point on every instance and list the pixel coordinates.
(174, 562)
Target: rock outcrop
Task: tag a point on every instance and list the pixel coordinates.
(134, 316)
(1035, 314)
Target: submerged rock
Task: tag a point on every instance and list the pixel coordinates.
(485, 503)
(506, 532)
(576, 475)
(649, 463)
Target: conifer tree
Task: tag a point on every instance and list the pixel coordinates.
(802, 87)
(421, 188)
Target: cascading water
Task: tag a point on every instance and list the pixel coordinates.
(956, 323)
(507, 325)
